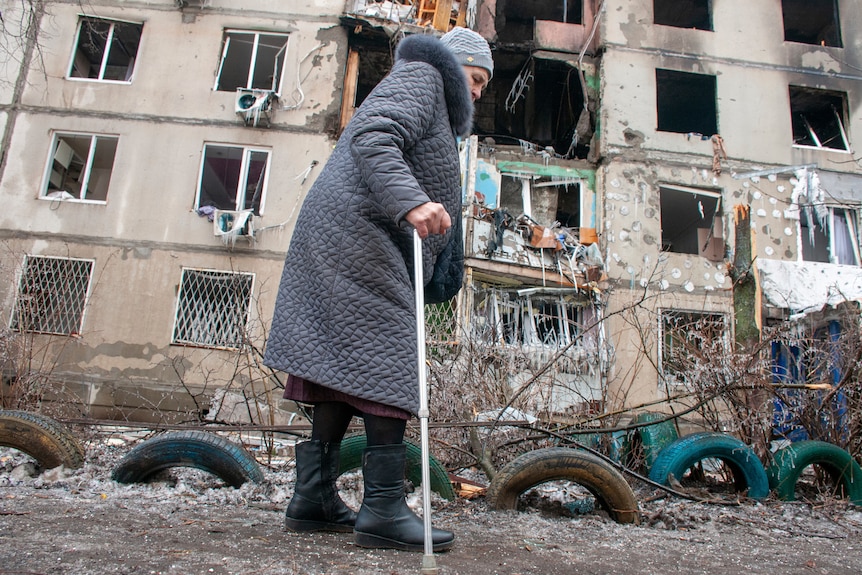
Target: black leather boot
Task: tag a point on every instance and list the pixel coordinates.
(315, 505)
(384, 520)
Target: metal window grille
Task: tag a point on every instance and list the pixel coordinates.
(550, 322)
(441, 323)
(687, 336)
(52, 294)
(212, 308)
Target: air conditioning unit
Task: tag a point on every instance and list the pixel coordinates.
(232, 224)
(254, 106)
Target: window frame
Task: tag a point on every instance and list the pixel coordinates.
(664, 358)
(278, 76)
(835, 41)
(15, 316)
(797, 92)
(515, 320)
(660, 13)
(211, 342)
(87, 163)
(717, 218)
(851, 226)
(669, 83)
(130, 74)
(241, 196)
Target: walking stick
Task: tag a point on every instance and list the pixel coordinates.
(429, 563)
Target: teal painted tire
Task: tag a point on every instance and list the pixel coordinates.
(614, 445)
(789, 462)
(682, 454)
(533, 468)
(351, 458)
(199, 449)
(647, 442)
(44, 439)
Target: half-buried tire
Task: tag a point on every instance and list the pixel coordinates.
(534, 468)
(199, 449)
(678, 457)
(351, 458)
(44, 439)
(789, 462)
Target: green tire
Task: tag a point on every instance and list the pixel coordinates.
(650, 439)
(351, 458)
(682, 454)
(789, 462)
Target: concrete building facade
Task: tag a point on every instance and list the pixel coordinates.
(617, 147)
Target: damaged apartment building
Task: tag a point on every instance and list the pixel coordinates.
(155, 155)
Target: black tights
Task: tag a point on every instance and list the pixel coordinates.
(331, 419)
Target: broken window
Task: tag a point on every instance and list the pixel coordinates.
(691, 222)
(545, 320)
(105, 49)
(52, 293)
(683, 13)
(685, 102)
(516, 19)
(812, 22)
(689, 337)
(213, 308)
(80, 167)
(829, 235)
(814, 357)
(819, 117)
(251, 60)
(544, 200)
(233, 178)
(568, 208)
(539, 104)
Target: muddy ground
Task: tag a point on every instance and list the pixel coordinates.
(80, 522)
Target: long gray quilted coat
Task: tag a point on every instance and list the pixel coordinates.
(345, 314)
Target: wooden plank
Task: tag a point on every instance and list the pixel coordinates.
(442, 15)
(348, 96)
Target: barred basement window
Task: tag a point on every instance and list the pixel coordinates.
(690, 338)
(52, 294)
(212, 308)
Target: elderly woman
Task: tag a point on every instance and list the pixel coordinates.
(344, 326)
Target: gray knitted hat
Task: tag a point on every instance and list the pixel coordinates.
(469, 47)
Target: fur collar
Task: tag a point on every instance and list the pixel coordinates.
(422, 48)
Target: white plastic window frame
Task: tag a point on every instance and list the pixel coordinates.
(88, 165)
(850, 221)
(277, 75)
(239, 205)
(106, 55)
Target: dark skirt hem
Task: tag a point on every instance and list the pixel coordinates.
(305, 391)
